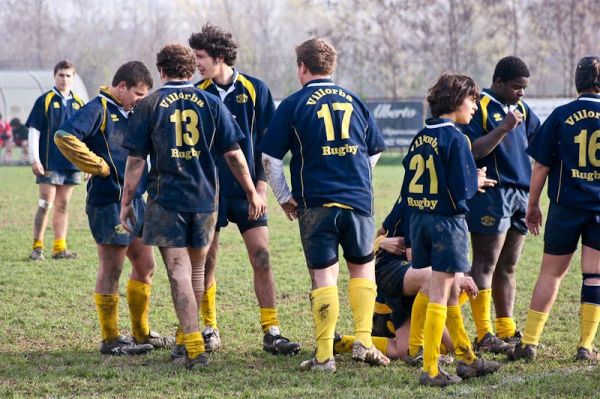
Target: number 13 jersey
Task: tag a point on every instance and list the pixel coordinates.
(182, 127)
(440, 172)
(331, 135)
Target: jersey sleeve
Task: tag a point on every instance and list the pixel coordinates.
(461, 171)
(265, 109)
(374, 138)
(84, 123)
(138, 137)
(228, 132)
(532, 124)
(276, 142)
(37, 117)
(542, 147)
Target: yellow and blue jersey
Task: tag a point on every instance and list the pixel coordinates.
(102, 125)
(183, 129)
(251, 103)
(50, 110)
(331, 135)
(440, 172)
(508, 163)
(568, 143)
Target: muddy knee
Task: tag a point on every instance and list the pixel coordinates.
(260, 259)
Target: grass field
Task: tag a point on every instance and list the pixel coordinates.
(49, 333)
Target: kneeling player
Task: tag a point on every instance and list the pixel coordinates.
(92, 139)
(565, 151)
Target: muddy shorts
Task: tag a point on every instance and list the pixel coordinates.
(497, 210)
(59, 178)
(106, 227)
(235, 210)
(389, 276)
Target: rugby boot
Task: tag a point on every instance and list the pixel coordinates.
(123, 345)
(313, 365)
(276, 344)
(443, 379)
(477, 368)
(527, 352)
(416, 360)
(212, 339)
(66, 254)
(381, 326)
(370, 355)
(37, 254)
(199, 361)
(512, 341)
(158, 341)
(178, 351)
(584, 354)
(491, 343)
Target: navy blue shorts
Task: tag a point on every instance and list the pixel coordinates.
(565, 225)
(59, 178)
(105, 224)
(497, 210)
(235, 210)
(440, 241)
(323, 230)
(389, 275)
(171, 229)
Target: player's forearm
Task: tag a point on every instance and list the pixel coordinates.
(80, 155)
(276, 178)
(484, 145)
(134, 169)
(239, 167)
(33, 143)
(538, 180)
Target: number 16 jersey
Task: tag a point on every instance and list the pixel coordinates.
(182, 127)
(331, 135)
(440, 172)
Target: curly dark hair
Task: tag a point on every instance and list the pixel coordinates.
(64, 64)
(176, 61)
(133, 73)
(449, 92)
(509, 68)
(587, 74)
(318, 55)
(216, 42)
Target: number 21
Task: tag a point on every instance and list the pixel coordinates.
(419, 164)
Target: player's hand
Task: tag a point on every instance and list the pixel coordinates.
(257, 206)
(511, 120)
(393, 245)
(290, 208)
(482, 181)
(534, 219)
(37, 169)
(467, 284)
(127, 217)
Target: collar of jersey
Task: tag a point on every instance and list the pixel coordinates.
(230, 89)
(505, 108)
(589, 97)
(434, 123)
(320, 82)
(178, 84)
(70, 96)
(104, 93)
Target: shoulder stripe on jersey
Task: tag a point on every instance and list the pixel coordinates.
(520, 103)
(77, 98)
(483, 104)
(104, 106)
(249, 86)
(468, 142)
(48, 100)
(204, 84)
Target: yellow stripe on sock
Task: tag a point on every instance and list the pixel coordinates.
(325, 305)
(268, 319)
(534, 327)
(107, 307)
(138, 299)
(361, 295)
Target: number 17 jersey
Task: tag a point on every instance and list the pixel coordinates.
(440, 172)
(331, 135)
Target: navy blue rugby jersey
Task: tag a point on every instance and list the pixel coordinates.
(508, 163)
(102, 125)
(183, 129)
(50, 110)
(251, 104)
(569, 143)
(331, 135)
(440, 172)
(397, 224)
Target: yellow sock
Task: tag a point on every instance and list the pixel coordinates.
(505, 327)
(458, 334)
(434, 329)
(208, 308)
(463, 298)
(381, 343)
(60, 244)
(361, 295)
(138, 298)
(325, 305)
(443, 349)
(417, 324)
(107, 307)
(382, 308)
(37, 244)
(345, 345)
(481, 308)
(179, 336)
(590, 316)
(268, 319)
(534, 327)
(194, 344)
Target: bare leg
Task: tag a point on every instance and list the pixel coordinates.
(60, 216)
(142, 261)
(553, 270)
(210, 266)
(111, 258)
(504, 285)
(486, 250)
(40, 222)
(257, 244)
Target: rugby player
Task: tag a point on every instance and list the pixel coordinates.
(440, 176)
(182, 129)
(92, 139)
(499, 132)
(54, 174)
(250, 102)
(334, 143)
(565, 151)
